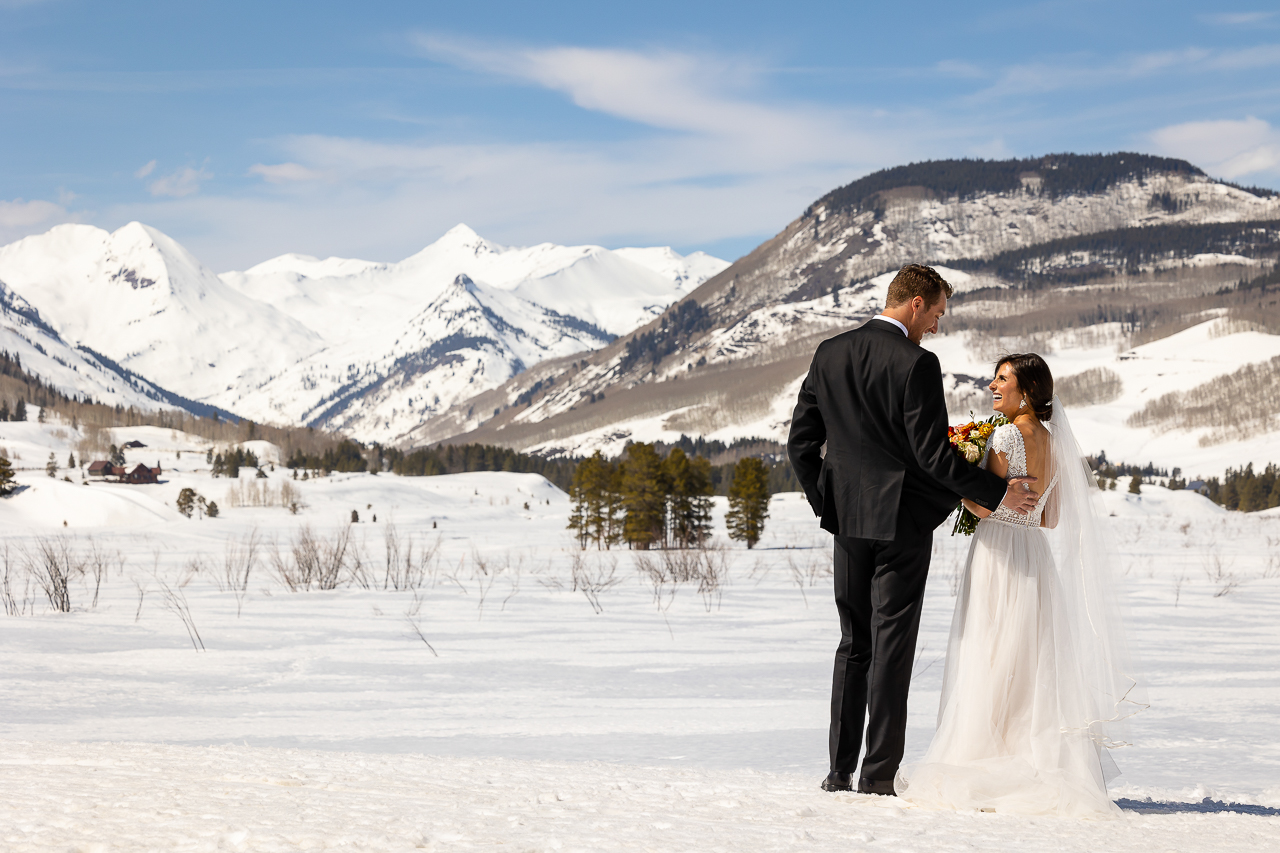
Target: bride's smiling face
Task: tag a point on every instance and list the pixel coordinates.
(1005, 394)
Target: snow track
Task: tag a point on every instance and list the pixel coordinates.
(146, 797)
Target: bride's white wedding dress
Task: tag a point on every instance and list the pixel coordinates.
(1036, 672)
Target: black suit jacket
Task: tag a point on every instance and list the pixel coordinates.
(876, 400)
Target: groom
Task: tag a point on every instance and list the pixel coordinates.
(889, 477)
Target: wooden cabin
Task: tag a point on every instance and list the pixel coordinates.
(141, 474)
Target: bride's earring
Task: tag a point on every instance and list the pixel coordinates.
(1023, 404)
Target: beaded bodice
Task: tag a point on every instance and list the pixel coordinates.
(1007, 439)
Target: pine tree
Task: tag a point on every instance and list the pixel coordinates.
(748, 501)
(1135, 485)
(689, 509)
(71, 460)
(6, 475)
(595, 502)
(40, 415)
(4, 410)
(187, 501)
(355, 517)
(51, 467)
(20, 411)
(211, 510)
(644, 497)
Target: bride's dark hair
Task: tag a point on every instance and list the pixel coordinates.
(1034, 379)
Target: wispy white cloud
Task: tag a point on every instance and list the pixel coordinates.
(146, 169)
(283, 173)
(1238, 19)
(183, 182)
(1227, 148)
(20, 218)
(1085, 72)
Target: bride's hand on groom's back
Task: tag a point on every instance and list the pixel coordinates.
(1019, 496)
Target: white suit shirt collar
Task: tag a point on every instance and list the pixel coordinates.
(897, 323)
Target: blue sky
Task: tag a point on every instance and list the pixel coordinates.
(246, 130)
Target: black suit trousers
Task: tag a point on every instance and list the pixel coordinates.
(879, 588)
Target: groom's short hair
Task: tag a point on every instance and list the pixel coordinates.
(917, 280)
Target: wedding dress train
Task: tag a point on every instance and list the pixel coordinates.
(1036, 674)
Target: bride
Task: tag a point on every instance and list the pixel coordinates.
(1037, 677)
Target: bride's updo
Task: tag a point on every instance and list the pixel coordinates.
(1034, 379)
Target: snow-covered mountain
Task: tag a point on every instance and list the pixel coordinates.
(140, 298)
(78, 372)
(371, 348)
(1105, 263)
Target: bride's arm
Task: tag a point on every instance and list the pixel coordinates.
(997, 463)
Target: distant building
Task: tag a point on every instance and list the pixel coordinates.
(104, 469)
(142, 474)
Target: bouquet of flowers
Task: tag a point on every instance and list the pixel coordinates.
(970, 441)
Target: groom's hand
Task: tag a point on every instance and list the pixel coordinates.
(1019, 497)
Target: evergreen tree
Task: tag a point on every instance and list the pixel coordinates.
(20, 411)
(40, 415)
(595, 502)
(355, 517)
(187, 501)
(211, 510)
(748, 501)
(4, 410)
(208, 456)
(116, 456)
(644, 497)
(51, 467)
(71, 460)
(6, 475)
(689, 488)
(1135, 485)
(219, 466)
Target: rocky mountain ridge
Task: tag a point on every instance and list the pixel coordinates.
(725, 361)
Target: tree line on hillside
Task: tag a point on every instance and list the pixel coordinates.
(648, 501)
(1060, 174)
(1122, 251)
(676, 326)
(84, 413)
(463, 458)
(1241, 489)
(1244, 489)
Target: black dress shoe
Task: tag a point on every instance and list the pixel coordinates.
(836, 781)
(876, 786)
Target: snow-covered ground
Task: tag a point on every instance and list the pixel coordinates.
(493, 705)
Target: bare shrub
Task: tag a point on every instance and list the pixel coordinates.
(98, 563)
(1219, 573)
(593, 576)
(411, 616)
(253, 491)
(486, 571)
(13, 604)
(806, 571)
(175, 601)
(402, 570)
(54, 564)
(312, 560)
(708, 565)
(239, 556)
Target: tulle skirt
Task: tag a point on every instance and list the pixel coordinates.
(1013, 724)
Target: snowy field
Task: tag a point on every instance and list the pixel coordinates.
(493, 705)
